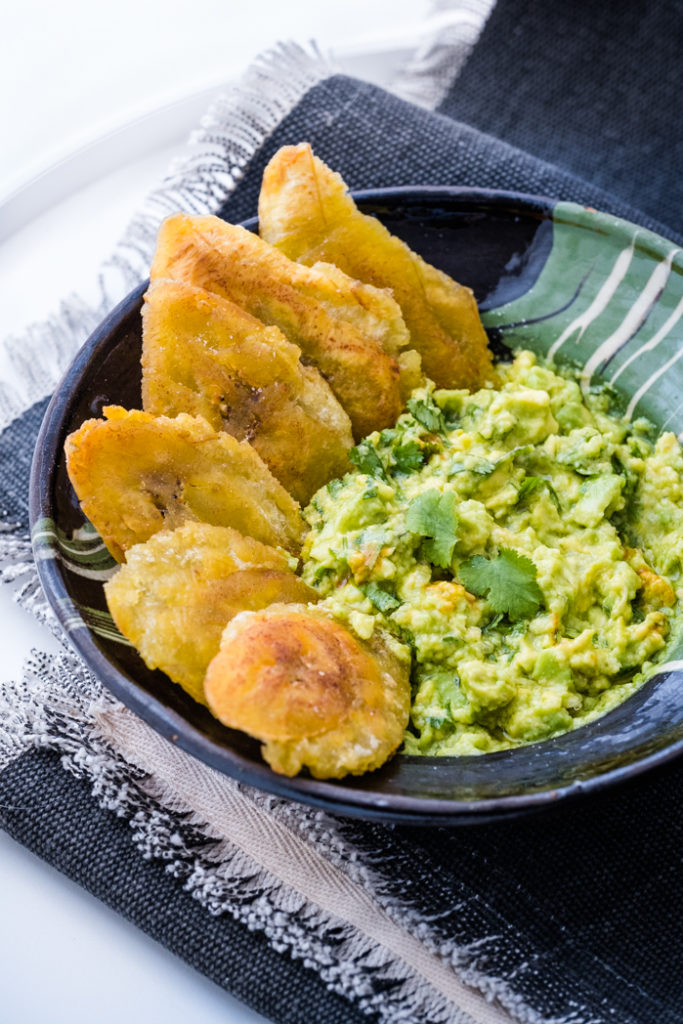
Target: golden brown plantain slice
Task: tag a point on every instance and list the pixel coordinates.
(177, 591)
(135, 473)
(315, 694)
(204, 355)
(351, 331)
(306, 211)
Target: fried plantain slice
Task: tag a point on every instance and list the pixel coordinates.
(315, 694)
(177, 591)
(306, 211)
(351, 331)
(204, 355)
(135, 473)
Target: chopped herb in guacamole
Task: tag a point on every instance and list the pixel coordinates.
(523, 546)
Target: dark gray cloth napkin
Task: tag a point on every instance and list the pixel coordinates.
(594, 88)
(573, 917)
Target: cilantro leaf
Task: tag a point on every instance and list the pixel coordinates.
(381, 598)
(364, 456)
(321, 571)
(553, 495)
(533, 483)
(427, 414)
(508, 581)
(484, 467)
(408, 457)
(515, 453)
(632, 480)
(439, 723)
(432, 515)
(492, 623)
(528, 485)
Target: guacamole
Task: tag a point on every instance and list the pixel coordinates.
(523, 545)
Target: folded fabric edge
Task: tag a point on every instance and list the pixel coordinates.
(60, 706)
(92, 847)
(452, 29)
(237, 859)
(293, 843)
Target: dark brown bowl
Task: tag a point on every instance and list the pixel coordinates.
(535, 266)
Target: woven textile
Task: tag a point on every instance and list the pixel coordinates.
(594, 88)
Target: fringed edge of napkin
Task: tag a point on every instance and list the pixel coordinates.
(60, 706)
(451, 31)
(198, 181)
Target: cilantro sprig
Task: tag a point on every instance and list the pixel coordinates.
(382, 598)
(507, 581)
(530, 484)
(428, 414)
(408, 457)
(365, 457)
(432, 515)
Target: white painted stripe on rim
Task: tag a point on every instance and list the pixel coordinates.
(662, 333)
(651, 380)
(601, 300)
(669, 666)
(633, 320)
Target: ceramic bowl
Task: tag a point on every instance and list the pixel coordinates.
(554, 277)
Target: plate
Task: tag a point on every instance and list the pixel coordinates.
(555, 277)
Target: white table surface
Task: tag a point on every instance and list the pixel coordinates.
(94, 101)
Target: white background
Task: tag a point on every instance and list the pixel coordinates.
(72, 73)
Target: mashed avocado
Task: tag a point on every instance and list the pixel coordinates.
(523, 545)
